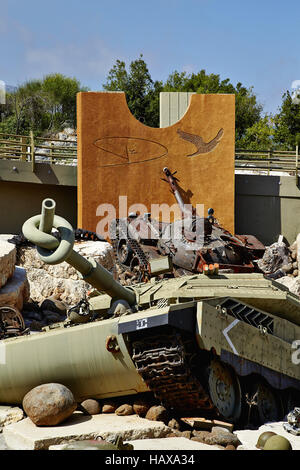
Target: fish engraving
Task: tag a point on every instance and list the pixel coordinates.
(129, 150)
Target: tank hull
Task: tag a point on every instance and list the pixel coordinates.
(76, 357)
(80, 357)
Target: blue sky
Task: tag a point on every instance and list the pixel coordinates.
(254, 42)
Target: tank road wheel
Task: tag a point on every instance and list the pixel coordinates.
(225, 390)
(124, 252)
(268, 405)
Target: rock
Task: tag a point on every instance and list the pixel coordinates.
(16, 291)
(49, 404)
(141, 408)
(7, 261)
(186, 434)
(102, 252)
(54, 305)
(173, 434)
(157, 413)
(293, 246)
(173, 424)
(63, 282)
(217, 429)
(275, 256)
(91, 406)
(223, 438)
(200, 435)
(26, 436)
(294, 256)
(298, 249)
(9, 415)
(291, 282)
(109, 407)
(230, 447)
(124, 410)
(43, 285)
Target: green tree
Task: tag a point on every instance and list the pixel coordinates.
(287, 123)
(248, 110)
(27, 106)
(142, 93)
(61, 97)
(42, 105)
(260, 136)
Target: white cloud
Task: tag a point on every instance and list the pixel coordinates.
(89, 60)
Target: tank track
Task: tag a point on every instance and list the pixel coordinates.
(163, 362)
(115, 236)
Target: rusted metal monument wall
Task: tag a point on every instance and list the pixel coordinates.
(118, 155)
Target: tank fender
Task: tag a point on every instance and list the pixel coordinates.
(244, 367)
(177, 316)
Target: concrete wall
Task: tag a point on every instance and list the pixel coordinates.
(19, 201)
(172, 106)
(267, 206)
(22, 192)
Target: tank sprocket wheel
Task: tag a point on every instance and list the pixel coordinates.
(225, 390)
(124, 252)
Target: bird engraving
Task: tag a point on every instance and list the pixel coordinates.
(202, 147)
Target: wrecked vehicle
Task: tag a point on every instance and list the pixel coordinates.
(220, 344)
(192, 243)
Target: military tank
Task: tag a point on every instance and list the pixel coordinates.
(218, 345)
(194, 244)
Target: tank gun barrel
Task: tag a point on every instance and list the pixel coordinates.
(38, 229)
(185, 210)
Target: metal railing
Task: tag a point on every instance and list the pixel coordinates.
(268, 160)
(37, 149)
(59, 151)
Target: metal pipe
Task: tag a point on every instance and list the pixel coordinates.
(54, 251)
(48, 211)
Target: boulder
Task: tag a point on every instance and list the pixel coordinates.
(157, 413)
(9, 415)
(91, 406)
(102, 252)
(43, 285)
(173, 424)
(141, 407)
(292, 283)
(124, 410)
(223, 438)
(200, 436)
(16, 291)
(7, 261)
(49, 404)
(63, 282)
(275, 257)
(109, 407)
